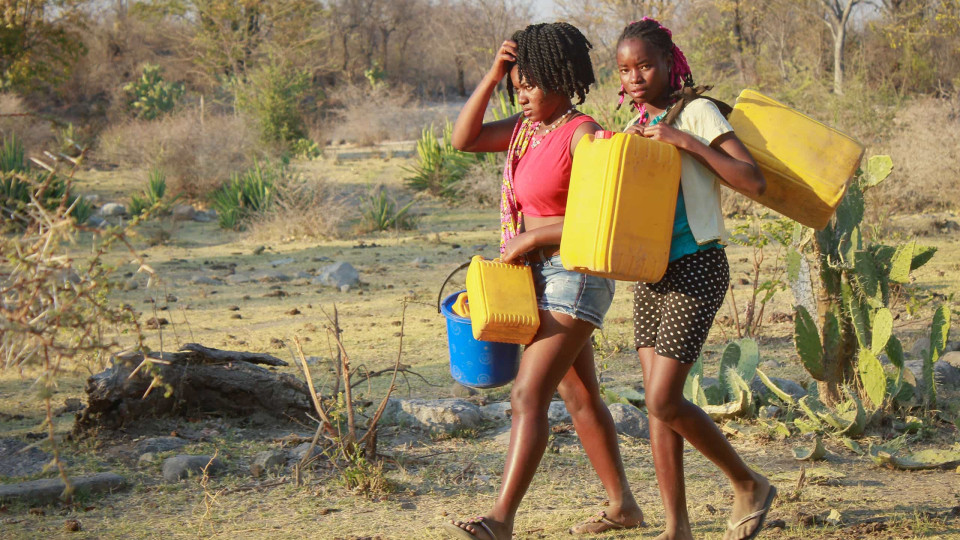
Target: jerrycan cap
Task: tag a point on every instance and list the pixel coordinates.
(603, 134)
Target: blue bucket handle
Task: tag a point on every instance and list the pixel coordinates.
(455, 270)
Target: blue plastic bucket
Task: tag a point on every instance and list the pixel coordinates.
(475, 363)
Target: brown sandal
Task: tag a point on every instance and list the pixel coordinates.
(460, 532)
(600, 523)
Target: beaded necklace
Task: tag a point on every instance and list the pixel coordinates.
(536, 139)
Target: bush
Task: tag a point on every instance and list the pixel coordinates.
(198, 155)
(302, 208)
(379, 212)
(364, 117)
(439, 166)
(152, 198)
(150, 96)
(273, 96)
(246, 195)
(33, 132)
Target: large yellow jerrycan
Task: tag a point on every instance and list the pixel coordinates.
(503, 302)
(806, 163)
(619, 217)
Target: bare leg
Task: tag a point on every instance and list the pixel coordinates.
(598, 434)
(545, 363)
(663, 383)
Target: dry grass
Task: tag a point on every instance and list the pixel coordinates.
(34, 132)
(197, 154)
(480, 186)
(365, 117)
(303, 209)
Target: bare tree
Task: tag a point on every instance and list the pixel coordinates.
(837, 16)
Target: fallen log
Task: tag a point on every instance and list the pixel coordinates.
(197, 381)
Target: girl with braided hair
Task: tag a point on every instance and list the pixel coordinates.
(673, 316)
(548, 65)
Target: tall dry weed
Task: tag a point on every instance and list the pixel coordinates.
(364, 116)
(197, 154)
(33, 132)
(303, 208)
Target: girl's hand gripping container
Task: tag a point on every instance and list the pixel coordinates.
(807, 164)
(503, 303)
(619, 218)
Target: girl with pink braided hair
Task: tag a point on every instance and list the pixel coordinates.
(673, 316)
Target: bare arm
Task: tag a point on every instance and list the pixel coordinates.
(470, 134)
(547, 235)
(726, 156)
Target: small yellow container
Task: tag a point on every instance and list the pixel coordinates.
(806, 163)
(620, 207)
(503, 302)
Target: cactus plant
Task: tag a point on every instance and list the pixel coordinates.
(853, 323)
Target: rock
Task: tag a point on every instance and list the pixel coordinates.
(159, 444)
(502, 437)
(267, 460)
(92, 198)
(69, 276)
(113, 209)
(952, 358)
(322, 258)
(790, 387)
(770, 364)
(183, 466)
(97, 222)
(345, 288)
(146, 459)
(496, 412)
(70, 405)
(770, 411)
(49, 490)
(72, 525)
(945, 374)
(205, 280)
(300, 451)
(205, 217)
(235, 279)
(337, 275)
(303, 274)
(630, 420)
(269, 276)
(420, 262)
(131, 285)
(920, 347)
(281, 262)
(435, 415)
(183, 212)
(16, 462)
(558, 412)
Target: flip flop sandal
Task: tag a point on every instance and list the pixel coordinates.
(602, 522)
(759, 515)
(460, 532)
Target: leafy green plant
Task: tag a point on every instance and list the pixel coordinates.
(379, 212)
(152, 198)
(273, 95)
(150, 96)
(305, 149)
(503, 108)
(854, 326)
(760, 234)
(246, 194)
(70, 141)
(20, 186)
(732, 395)
(439, 165)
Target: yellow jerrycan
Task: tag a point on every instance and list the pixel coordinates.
(807, 164)
(620, 207)
(503, 302)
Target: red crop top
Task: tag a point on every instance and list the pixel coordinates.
(542, 177)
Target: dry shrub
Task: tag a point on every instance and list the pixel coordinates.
(480, 185)
(364, 117)
(925, 147)
(303, 208)
(34, 133)
(198, 156)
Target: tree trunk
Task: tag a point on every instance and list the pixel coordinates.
(461, 86)
(838, 43)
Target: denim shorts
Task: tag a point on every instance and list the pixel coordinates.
(581, 296)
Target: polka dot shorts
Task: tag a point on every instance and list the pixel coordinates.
(674, 314)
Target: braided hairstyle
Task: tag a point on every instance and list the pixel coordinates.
(554, 57)
(652, 32)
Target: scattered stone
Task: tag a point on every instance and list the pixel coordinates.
(205, 217)
(496, 411)
(183, 212)
(437, 415)
(233, 308)
(235, 279)
(267, 460)
(182, 466)
(16, 462)
(790, 387)
(49, 490)
(97, 222)
(171, 298)
(131, 285)
(236, 316)
(502, 437)
(920, 347)
(113, 209)
(952, 358)
(298, 453)
(146, 459)
(770, 364)
(776, 524)
(281, 262)
(321, 259)
(337, 275)
(270, 276)
(72, 525)
(945, 373)
(558, 412)
(420, 262)
(408, 506)
(92, 198)
(345, 288)
(159, 444)
(629, 420)
(69, 276)
(154, 323)
(303, 274)
(478, 248)
(205, 280)
(259, 249)
(293, 311)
